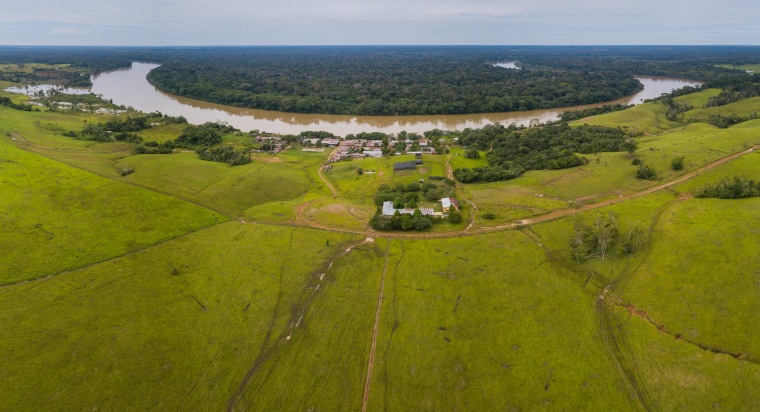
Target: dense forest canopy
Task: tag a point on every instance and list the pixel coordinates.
(382, 81)
(401, 80)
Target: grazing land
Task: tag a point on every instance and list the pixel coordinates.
(168, 282)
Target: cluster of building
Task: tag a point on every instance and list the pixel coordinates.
(357, 149)
(361, 148)
(276, 143)
(447, 203)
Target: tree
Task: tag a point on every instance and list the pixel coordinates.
(594, 240)
(455, 217)
(472, 154)
(605, 231)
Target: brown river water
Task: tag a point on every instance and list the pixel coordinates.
(129, 87)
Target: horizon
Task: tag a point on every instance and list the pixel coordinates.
(161, 23)
(367, 45)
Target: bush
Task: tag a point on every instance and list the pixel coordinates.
(677, 163)
(636, 161)
(226, 154)
(645, 172)
(489, 216)
(126, 170)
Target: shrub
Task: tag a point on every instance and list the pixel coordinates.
(126, 170)
(645, 172)
(677, 163)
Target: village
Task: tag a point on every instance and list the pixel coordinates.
(350, 148)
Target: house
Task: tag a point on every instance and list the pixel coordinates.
(330, 142)
(373, 153)
(404, 166)
(446, 204)
(389, 210)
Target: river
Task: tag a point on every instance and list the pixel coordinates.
(129, 87)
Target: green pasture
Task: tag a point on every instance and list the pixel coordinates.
(700, 278)
(607, 175)
(137, 292)
(680, 376)
(647, 118)
(698, 99)
(340, 213)
(55, 217)
(743, 108)
(176, 326)
(754, 67)
(228, 190)
(458, 161)
(351, 185)
(746, 166)
(163, 133)
(323, 366)
(485, 323)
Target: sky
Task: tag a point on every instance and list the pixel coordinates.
(379, 22)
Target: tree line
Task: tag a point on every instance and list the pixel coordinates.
(737, 187)
(512, 151)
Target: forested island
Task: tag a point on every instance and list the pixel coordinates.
(410, 80)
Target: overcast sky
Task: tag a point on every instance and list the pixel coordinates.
(339, 22)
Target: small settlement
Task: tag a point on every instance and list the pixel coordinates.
(348, 148)
(446, 204)
(361, 148)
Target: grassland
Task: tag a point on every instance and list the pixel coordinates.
(743, 108)
(753, 67)
(176, 326)
(607, 175)
(140, 292)
(55, 217)
(466, 327)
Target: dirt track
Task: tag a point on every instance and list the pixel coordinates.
(557, 214)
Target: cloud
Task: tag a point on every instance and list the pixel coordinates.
(68, 32)
(255, 22)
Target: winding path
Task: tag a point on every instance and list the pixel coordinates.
(554, 215)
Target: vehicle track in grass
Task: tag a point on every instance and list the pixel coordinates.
(375, 329)
(265, 350)
(297, 313)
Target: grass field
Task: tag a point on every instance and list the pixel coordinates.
(228, 190)
(702, 282)
(681, 376)
(55, 217)
(140, 292)
(754, 67)
(176, 326)
(647, 118)
(744, 108)
(608, 175)
(485, 323)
